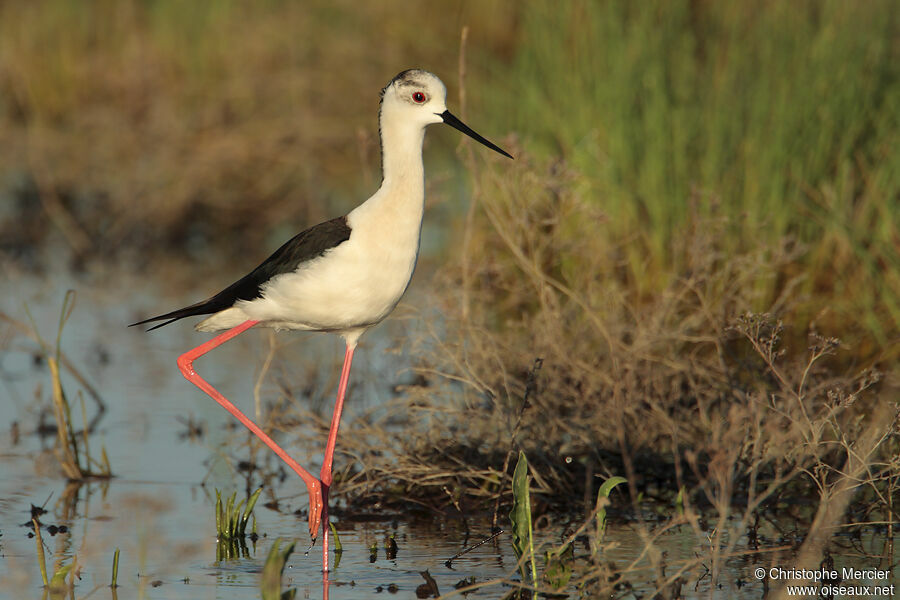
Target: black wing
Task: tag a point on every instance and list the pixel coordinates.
(310, 244)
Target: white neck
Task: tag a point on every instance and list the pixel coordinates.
(401, 153)
(399, 203)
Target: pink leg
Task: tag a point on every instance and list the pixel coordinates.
(185, 363)
(325, 474)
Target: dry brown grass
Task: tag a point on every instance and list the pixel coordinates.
(698, 388)
(683, 374)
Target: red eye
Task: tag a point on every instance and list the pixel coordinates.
(418, 97)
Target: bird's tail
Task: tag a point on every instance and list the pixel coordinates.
(204, 307)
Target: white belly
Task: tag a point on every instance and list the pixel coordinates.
(342, 290)
(354, 285)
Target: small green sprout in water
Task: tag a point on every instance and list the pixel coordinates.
(390, 547)
(270, 582)
(558, 567)
(231, 525)
(338, 548)
(520, 517)
(58, 581)
(605, 489)
(231, 520)
(429, 589)
(558, 563)
(602, 501)
(42, 562)
(115, 570)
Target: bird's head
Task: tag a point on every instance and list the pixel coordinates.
(419, 97)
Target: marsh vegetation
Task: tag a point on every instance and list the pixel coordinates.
(689, 278)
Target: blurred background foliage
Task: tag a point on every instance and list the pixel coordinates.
(156, 131)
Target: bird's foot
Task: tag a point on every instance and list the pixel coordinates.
(316, 504)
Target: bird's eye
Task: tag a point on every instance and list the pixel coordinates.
(418, 97)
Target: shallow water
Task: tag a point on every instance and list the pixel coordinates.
(159, 508)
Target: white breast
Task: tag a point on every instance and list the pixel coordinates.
(353, 285)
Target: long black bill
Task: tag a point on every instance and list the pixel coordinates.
(452, 121)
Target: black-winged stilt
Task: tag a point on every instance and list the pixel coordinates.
(344, 275)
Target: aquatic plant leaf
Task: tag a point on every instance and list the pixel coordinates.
(236, 519)
(115, 570)
(64, 314)
(520, 517)
(107, 470)
(58, 581)
(429, 589)
(251, 503)
(229, 511)
(390, 547)
(220, 531)
(270, 581)
(602, 496)
(558, 567)
(42, 561)
(338, 548)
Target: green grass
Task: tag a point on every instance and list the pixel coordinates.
(231, 520)
(231, 525)
(784, 117)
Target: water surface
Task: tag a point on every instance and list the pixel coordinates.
(159, 508)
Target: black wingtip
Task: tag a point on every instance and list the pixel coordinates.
(200, 308)
(172, 317)
(163, 324)
(139, 323)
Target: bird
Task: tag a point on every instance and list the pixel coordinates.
(342, 276)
